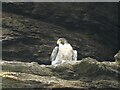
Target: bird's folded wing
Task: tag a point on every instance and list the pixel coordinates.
(54, 53)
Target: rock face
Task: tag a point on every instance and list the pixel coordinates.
(30, 30)
(117, 57)
(84, 74)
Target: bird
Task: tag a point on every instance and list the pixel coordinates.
(63, 53)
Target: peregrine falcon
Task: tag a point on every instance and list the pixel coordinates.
(63, 53)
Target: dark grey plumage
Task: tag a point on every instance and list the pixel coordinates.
(54, 53)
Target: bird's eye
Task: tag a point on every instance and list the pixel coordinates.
(62, 42)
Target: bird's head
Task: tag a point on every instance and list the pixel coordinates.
(61, 41)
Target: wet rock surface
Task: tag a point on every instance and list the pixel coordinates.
(86, 73)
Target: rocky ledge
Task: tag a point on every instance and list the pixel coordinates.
(82, 74)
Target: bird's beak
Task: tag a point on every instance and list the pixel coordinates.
(58, 42)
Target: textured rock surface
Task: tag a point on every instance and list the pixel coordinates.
(86, 73)
(30, 30)
(117, 57)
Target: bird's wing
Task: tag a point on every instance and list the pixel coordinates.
(54, 53)
(74, 55)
